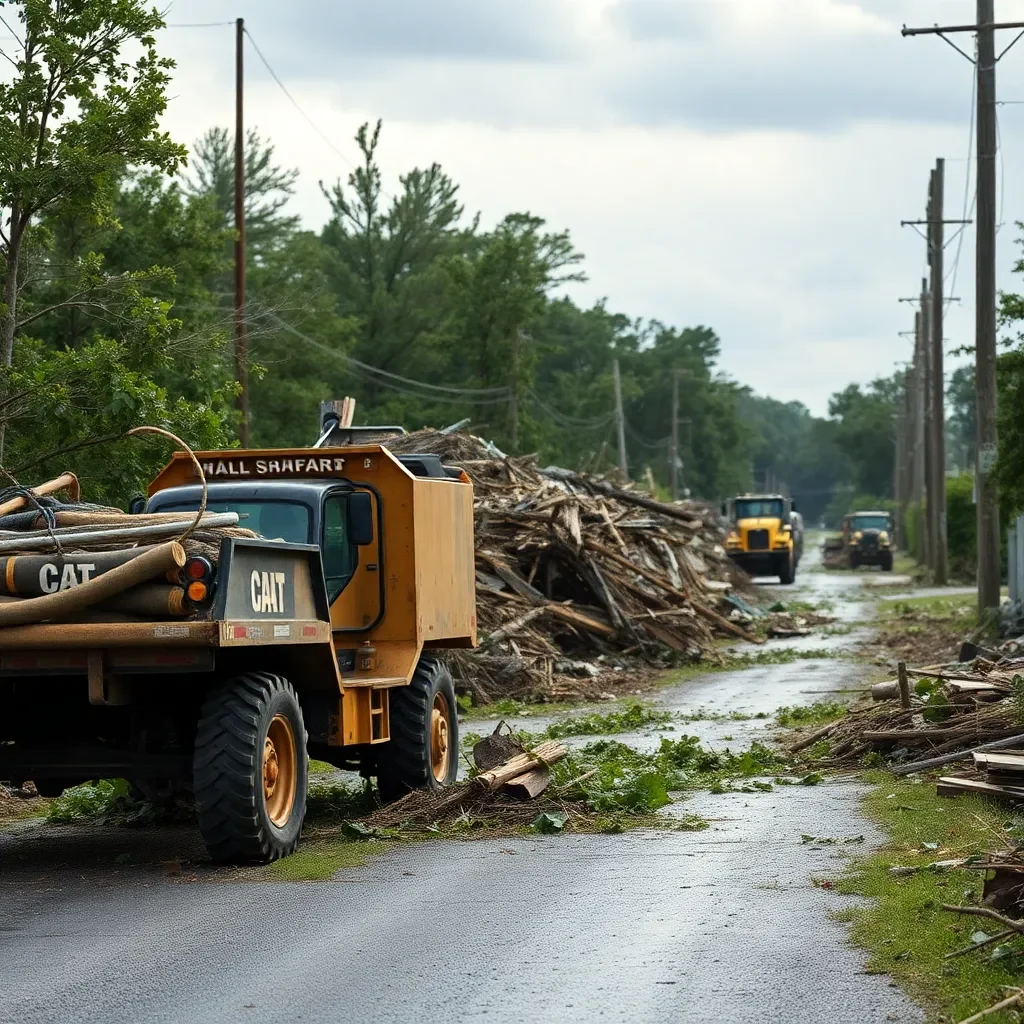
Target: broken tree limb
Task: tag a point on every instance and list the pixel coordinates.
(904, 684)
(810, 740)
(984, 944)
(511, 627)
(529, 785)
(957, 755)
(1003, 1004)
(66, 481)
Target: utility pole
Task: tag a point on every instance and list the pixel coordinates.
(921, 540)
(620, 420)
(985, 287)
(241, 344)
(938, 439)
(925, 342)
(674, 468)
(989, 578)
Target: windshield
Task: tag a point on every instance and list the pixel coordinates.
(758, 508)
(870, 522)
(275, 520)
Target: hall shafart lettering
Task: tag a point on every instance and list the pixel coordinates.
(292, 466)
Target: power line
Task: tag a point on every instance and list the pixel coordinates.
(295, 103)
(591, 423)
(480, 396)
(967, 191)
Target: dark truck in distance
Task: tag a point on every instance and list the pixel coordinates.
(319, 638)
(867, 539)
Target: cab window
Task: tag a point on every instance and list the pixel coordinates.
(339, 555)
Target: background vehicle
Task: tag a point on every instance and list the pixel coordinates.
(322, 640)
(867, 539)
(763, 540)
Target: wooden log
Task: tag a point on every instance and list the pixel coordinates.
(813, 738)
(35, 575)
(545, 754)
(885, 691)
(529, 785)
(931, 735)
(511, 628)
(958, 755)
(151, 563)
(66, 481)
(904, 684)
(150, 600)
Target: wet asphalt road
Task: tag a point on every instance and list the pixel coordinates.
(724, 924)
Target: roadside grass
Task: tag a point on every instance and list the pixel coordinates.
(904, 929)
(819, 713)
(960, 607)
(320, 859)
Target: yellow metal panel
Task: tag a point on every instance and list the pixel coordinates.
(445, 570)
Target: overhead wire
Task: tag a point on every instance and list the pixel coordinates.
(564, 419)
(385, 378)
(295, 103)
(967, 197)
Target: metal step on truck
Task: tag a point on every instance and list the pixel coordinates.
(219, 669)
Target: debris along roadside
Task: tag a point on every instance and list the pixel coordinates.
(577, 578)
(930, 716)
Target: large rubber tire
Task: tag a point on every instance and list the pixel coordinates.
(251, 737)
(886, 561)
(787, 569)
(408, 760)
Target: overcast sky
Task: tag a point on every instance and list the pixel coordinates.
(742, 164)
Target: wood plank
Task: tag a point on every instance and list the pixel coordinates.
(948, 786)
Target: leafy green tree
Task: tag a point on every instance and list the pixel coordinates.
(72, 116)
(961, 416)
(864, 432)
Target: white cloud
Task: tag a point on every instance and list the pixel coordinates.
(738, 163)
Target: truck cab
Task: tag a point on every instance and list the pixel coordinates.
(867, 539)
(762, 539)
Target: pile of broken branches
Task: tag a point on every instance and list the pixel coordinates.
(508, 781)
(931, 716)
(576, 576)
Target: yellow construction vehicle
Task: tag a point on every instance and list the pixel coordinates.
(765, 536)
(320, 639)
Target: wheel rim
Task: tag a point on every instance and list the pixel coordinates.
(439, 736)
(280, 769)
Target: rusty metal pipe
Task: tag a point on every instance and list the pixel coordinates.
(151, 563)
(40, 540)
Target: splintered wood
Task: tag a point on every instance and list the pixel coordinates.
(940, 715)
(578, 580)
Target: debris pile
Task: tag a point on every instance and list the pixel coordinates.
(932, 716)
(578, 578)
(507, 782)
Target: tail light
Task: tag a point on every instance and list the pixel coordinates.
(198, 575)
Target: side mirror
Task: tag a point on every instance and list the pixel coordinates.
(725, 509)
(137, 505)
(359, 518)
(792, 505)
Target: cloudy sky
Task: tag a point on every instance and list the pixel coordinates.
(743, 164)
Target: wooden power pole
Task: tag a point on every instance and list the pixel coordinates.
(620, 420)
(241, 344)
(985, 311)
(940, 560)
(674, 467)
(928, 419)
(985, 287)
